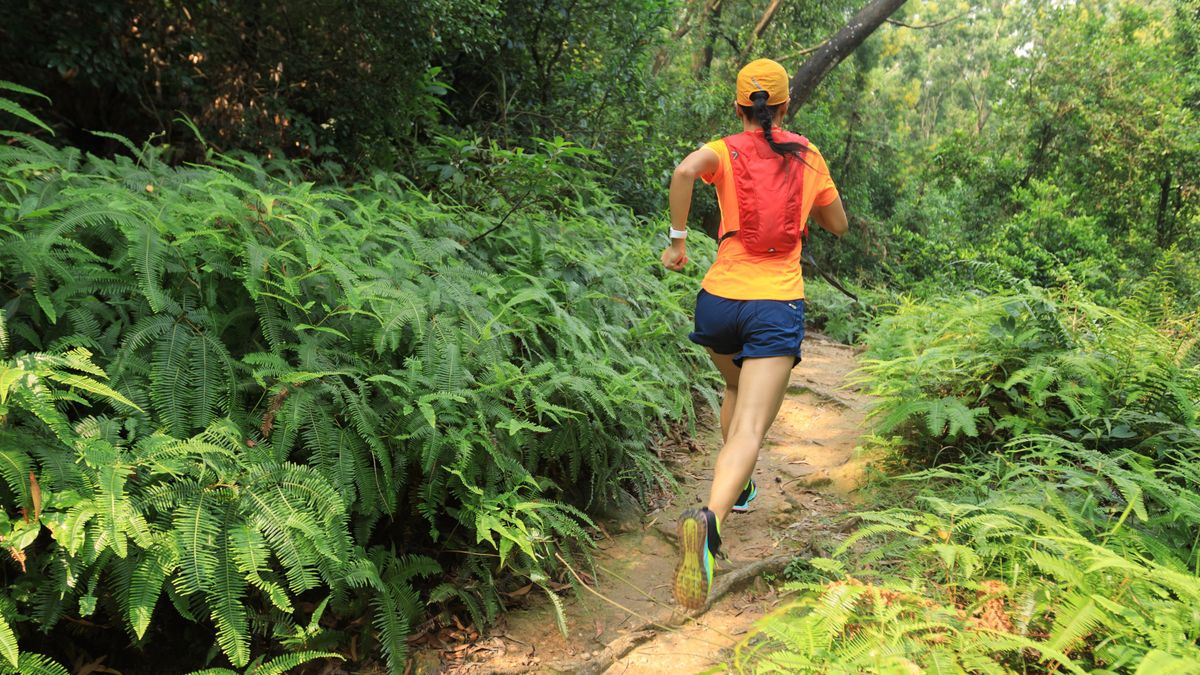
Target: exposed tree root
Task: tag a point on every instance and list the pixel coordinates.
(822, 393)
(733, 580)
(738, 578)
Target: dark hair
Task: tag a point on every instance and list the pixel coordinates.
(765, 114)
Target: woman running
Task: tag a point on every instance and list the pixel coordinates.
(750, 310)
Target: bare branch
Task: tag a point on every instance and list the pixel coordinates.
(802, 52)
(762, 24)
(928, 25)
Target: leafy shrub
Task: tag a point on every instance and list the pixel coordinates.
(1046, 243)
(296, 389)
(1077, 564)
(975, 371)
(296, 91)
(837, 315)
(1065, 537)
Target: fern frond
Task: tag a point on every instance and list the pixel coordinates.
(560, 615)
(37, 664)
(15, 467)
(213, 384)
(13, 108)
(149, 258)
(146, 583)
(197, 528)
(393, 627)
(252, 557)
(225, 593)
(1158, 661)
(281, 665)
(8, 643)
(171, 378)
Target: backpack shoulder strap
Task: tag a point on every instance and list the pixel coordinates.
(733, 143)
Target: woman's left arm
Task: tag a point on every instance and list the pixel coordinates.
(831, 217)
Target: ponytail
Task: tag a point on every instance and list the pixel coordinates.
(765, 115)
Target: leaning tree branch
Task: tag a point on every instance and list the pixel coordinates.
(685, 23)
(826, 58)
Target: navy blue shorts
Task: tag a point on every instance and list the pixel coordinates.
(749, 329)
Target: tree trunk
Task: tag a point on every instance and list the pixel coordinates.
(1045, 137)
(704, 57)
(1162, 231)
(810, 74)
(844, 164)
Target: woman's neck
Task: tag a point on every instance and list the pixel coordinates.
(748, 125)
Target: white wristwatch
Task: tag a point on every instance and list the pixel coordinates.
(678, 234)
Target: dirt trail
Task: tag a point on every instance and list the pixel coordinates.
(806, 473)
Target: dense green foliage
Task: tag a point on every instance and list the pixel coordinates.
(1053, 138)
(302, 77)
(358, 87)
(1056, 139)
(1065, 530)
(235, 388)
(341, 342)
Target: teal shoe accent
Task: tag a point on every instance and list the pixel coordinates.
(742, 504)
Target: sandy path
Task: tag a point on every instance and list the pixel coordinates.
(805, 473)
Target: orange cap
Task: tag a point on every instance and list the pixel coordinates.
(762, 75)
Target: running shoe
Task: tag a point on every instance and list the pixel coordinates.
(742, 504)
(699, 541)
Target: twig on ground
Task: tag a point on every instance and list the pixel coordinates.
(614, 603)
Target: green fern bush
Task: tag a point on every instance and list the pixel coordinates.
(239, 388)
(1049, 557)
(1064, 536)
(968, 374)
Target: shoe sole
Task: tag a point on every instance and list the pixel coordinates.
(691, 587)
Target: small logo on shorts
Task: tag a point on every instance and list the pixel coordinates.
(733, 154)
(791, 305)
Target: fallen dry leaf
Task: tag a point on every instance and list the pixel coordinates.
(35, 494)
(524, 590)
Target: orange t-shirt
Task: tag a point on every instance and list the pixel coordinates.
(740, 275)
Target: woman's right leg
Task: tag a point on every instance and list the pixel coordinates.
(758, 390)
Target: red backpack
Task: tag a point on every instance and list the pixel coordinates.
(769, 189)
